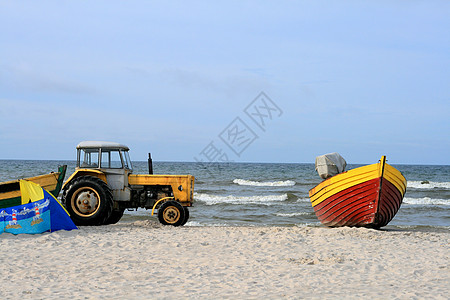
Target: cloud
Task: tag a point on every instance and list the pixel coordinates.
(217, 79)
(26, 76)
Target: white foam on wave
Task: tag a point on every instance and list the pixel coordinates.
(428, 185)
(292, 214)
(303, 200)
(267, 183)
(198, 224)
(230, 199)
(425, 201)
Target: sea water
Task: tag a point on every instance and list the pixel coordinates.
(270, 194)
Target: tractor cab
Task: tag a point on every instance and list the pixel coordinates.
(103, 155)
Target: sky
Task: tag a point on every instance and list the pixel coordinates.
(243, 81)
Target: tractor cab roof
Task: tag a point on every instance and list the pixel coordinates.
(101, 144)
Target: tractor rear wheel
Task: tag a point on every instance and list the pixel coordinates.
(171, 213)
(88, 200)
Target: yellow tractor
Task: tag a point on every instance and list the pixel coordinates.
(103, 186)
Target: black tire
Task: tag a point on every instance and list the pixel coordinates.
(115, 216)
(171, 213)
(88, 200)
(186, 215)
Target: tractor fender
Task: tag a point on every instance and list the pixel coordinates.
(86, 172)
(160, 200)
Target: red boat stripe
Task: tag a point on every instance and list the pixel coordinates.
(371, 185)
(340, 207)
(346, 197)
(390, 202)
(388, 195)
(392, 195)
(344, 207)
(351, 214)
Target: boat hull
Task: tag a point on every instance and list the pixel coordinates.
(10, 191)
(368, 196)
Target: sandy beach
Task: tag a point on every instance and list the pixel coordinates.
(145, 260)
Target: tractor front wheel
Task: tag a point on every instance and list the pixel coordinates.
(171, 213)
(88, 200)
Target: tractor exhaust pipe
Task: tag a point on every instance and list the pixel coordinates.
(150, 164)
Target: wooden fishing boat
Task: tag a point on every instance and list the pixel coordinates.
(367, 196)
(10, 190)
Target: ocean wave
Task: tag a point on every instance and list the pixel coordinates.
(267, 183)
(428, 185)
(423, 227)
(425, 201)
(230, 199)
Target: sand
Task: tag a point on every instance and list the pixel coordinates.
(145, 260)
